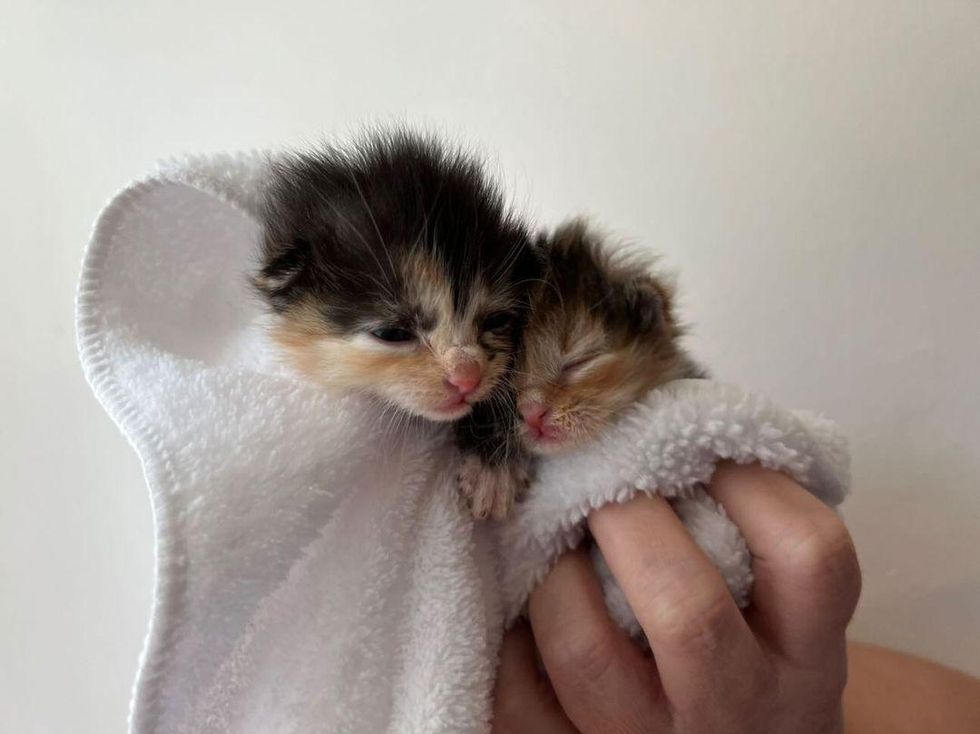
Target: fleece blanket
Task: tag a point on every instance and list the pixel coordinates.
(315, 570)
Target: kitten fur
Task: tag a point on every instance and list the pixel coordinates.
(393, 267)
(602, 334)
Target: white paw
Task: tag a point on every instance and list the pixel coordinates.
(490, 491)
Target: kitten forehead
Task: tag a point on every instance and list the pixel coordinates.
(444, 318)
(427, 289)
(584, 330)
(395, 229)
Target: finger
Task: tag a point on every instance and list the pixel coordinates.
(603, 681)
(807, 579)
(523, 701)
(704, 650)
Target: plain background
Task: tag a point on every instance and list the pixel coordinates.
(811, 171)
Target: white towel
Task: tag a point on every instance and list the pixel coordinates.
(315, 571)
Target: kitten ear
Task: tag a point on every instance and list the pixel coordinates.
(648, 304)
(282, 268)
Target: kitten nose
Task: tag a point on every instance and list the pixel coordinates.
(465, 377)
(533, 414)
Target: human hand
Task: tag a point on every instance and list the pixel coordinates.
(779, 667)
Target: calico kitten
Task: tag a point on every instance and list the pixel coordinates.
(393, 267)
(602, 334)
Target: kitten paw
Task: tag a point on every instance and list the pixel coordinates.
(490, 491)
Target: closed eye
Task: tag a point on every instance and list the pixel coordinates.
(393, 334)
(576, 365)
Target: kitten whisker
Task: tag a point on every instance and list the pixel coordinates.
(374, 222)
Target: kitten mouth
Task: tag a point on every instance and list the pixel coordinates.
(454, 407)
(544, 438)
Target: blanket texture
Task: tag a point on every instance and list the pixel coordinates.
(315, 571)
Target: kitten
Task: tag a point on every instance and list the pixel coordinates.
(601, 335)
(394, 268)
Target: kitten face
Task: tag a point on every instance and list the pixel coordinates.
(600, 336)
(395, 269)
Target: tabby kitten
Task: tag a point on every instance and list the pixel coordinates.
(394, 268)
(601, 335)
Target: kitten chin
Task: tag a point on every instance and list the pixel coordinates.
(602, 334)
(393, 267)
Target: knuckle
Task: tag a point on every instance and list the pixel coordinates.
(688, 609)
(584, 658)
(823, 553)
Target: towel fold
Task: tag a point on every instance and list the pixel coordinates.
(315, 570)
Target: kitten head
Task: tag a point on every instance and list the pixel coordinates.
(601, 335)
(394, 267)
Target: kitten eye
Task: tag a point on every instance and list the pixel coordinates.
(577, 364)
(392, 334)
(498, 321)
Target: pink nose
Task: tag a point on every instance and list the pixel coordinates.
(465, 377)
(534, 414)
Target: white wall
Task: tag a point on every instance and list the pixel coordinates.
(811, 169)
